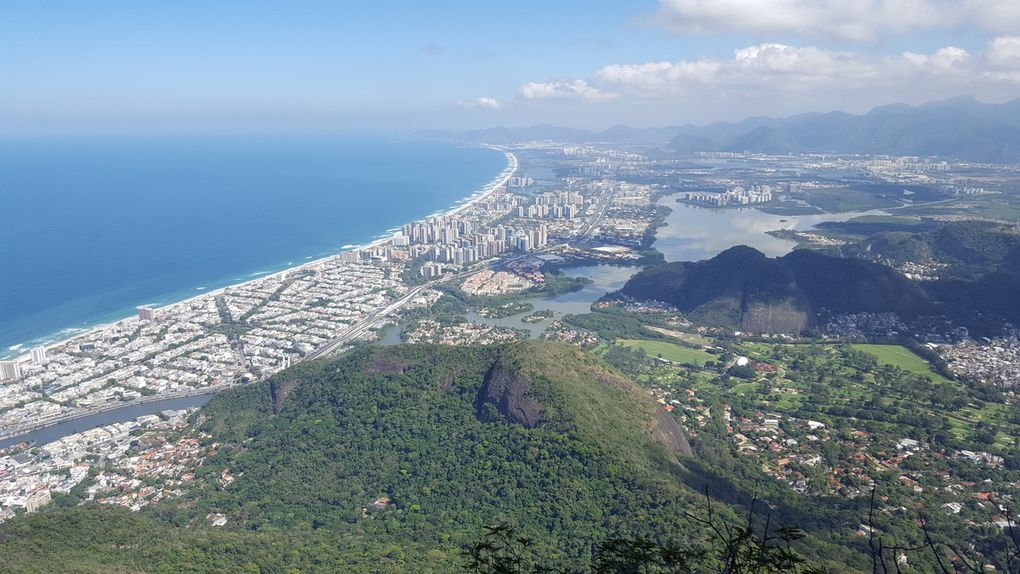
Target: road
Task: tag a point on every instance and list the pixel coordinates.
(376, 317)
(365, 324)
(587, 229)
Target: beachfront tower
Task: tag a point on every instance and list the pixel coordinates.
(10, 370)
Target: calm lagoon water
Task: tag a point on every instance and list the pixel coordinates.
(126, 413)
(691, 234)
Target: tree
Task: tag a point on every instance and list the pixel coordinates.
(725, 549)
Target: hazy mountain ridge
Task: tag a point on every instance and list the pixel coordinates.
(960, 128)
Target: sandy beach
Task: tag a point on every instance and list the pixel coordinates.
(497, 183)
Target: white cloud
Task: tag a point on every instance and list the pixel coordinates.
(995, 15)
(1004, 52)
(789, 68)
(432, 49)
(846, 19)
(482, 102)
(768, 63)
(560, 89)
(773, 71)
(1003, 59)
(948, 60)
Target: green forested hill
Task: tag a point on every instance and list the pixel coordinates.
(427, 428)
(968, 249)
(742, 288)
(394, 459)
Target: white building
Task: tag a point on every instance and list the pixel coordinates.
(37, 500)
(10, 370)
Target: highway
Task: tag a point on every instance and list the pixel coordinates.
(365, 324)
(377, 316)
(587, 229)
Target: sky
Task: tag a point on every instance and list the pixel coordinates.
(107, 66)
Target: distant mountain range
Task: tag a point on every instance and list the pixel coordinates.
(959, 128)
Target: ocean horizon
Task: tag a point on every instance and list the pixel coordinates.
(96, 227)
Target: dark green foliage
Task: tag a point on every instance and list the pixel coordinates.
(610, 326)
(971, 249)
(983, 304)
(397, 423)
(871, 225)
(742, 371)
(105, 539)
(742, 287)
(726, 549)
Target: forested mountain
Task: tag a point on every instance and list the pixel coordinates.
(394, 459)
(966, 249)
(742, 288)
(397, 459)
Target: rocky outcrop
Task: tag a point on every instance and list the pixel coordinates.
(384, 364)
(669, 434)
(509, 392)
(743, 289)
(280, 391)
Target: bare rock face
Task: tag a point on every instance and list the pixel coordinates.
(382, 364)
(668, 433)
(509, 392)
(280, 391)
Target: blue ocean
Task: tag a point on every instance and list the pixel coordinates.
(91, 228)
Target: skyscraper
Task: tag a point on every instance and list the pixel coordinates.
(10, 370)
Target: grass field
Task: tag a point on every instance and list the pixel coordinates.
(903, 358)
(668, 351)
(742, 388)
(686, 337)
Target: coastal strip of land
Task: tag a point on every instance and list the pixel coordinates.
(221, 338)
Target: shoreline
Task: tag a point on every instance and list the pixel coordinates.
(24, 349)
(497, 183)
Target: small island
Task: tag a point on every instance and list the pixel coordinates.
(501, 311)
(538, 316)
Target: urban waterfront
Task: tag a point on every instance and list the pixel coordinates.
(109, 224)
(126, 413)
(690, 234)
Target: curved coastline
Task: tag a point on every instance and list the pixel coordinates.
(490, 188)
(67, 334)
